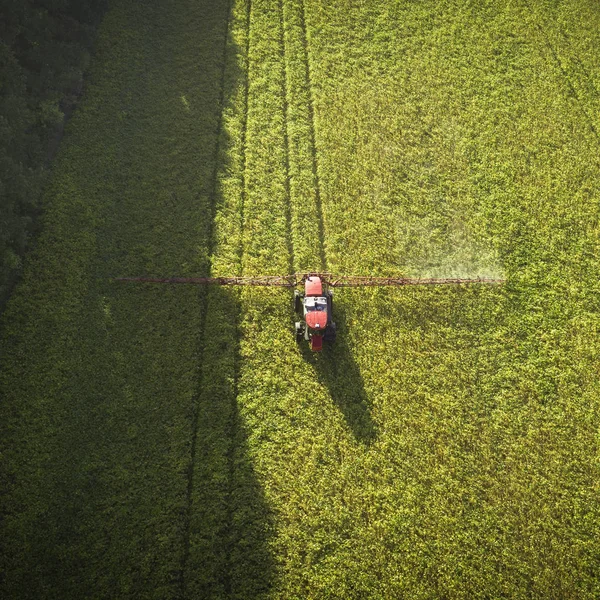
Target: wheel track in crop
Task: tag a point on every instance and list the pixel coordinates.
(305, 187)
(286, 142)
(244, 191)
(574, 58)
(313, 136)
(553, 53)
(204, 304)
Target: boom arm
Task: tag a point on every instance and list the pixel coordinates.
(351, 281)
(296, 279)
(275, 280)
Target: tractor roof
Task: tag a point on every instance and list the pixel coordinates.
(313, 286)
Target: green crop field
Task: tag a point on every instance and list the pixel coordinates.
(175, 442)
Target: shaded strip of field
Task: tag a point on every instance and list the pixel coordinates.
(205, 272)
(100, 380)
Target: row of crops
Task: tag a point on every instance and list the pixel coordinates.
(176, 443)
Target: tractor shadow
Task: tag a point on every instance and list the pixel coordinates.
(337, 371)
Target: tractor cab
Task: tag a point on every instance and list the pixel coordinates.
(317, 303)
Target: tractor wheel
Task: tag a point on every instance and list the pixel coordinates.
(299, 331)
(297, 301)
(330, 333)
(330, 304)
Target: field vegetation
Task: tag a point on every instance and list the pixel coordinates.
(176, 443)
(45, 50)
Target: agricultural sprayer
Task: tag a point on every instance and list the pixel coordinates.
(314, 307)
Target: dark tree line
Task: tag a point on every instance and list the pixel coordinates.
(44, 50)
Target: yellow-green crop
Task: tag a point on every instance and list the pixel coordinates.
(177, 443)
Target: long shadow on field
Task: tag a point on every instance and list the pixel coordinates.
(338, 372)
(129, 470)
(229, 519)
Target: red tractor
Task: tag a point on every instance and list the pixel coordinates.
(316, 308)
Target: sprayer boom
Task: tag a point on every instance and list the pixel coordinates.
(298, 279)
(314, 306)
